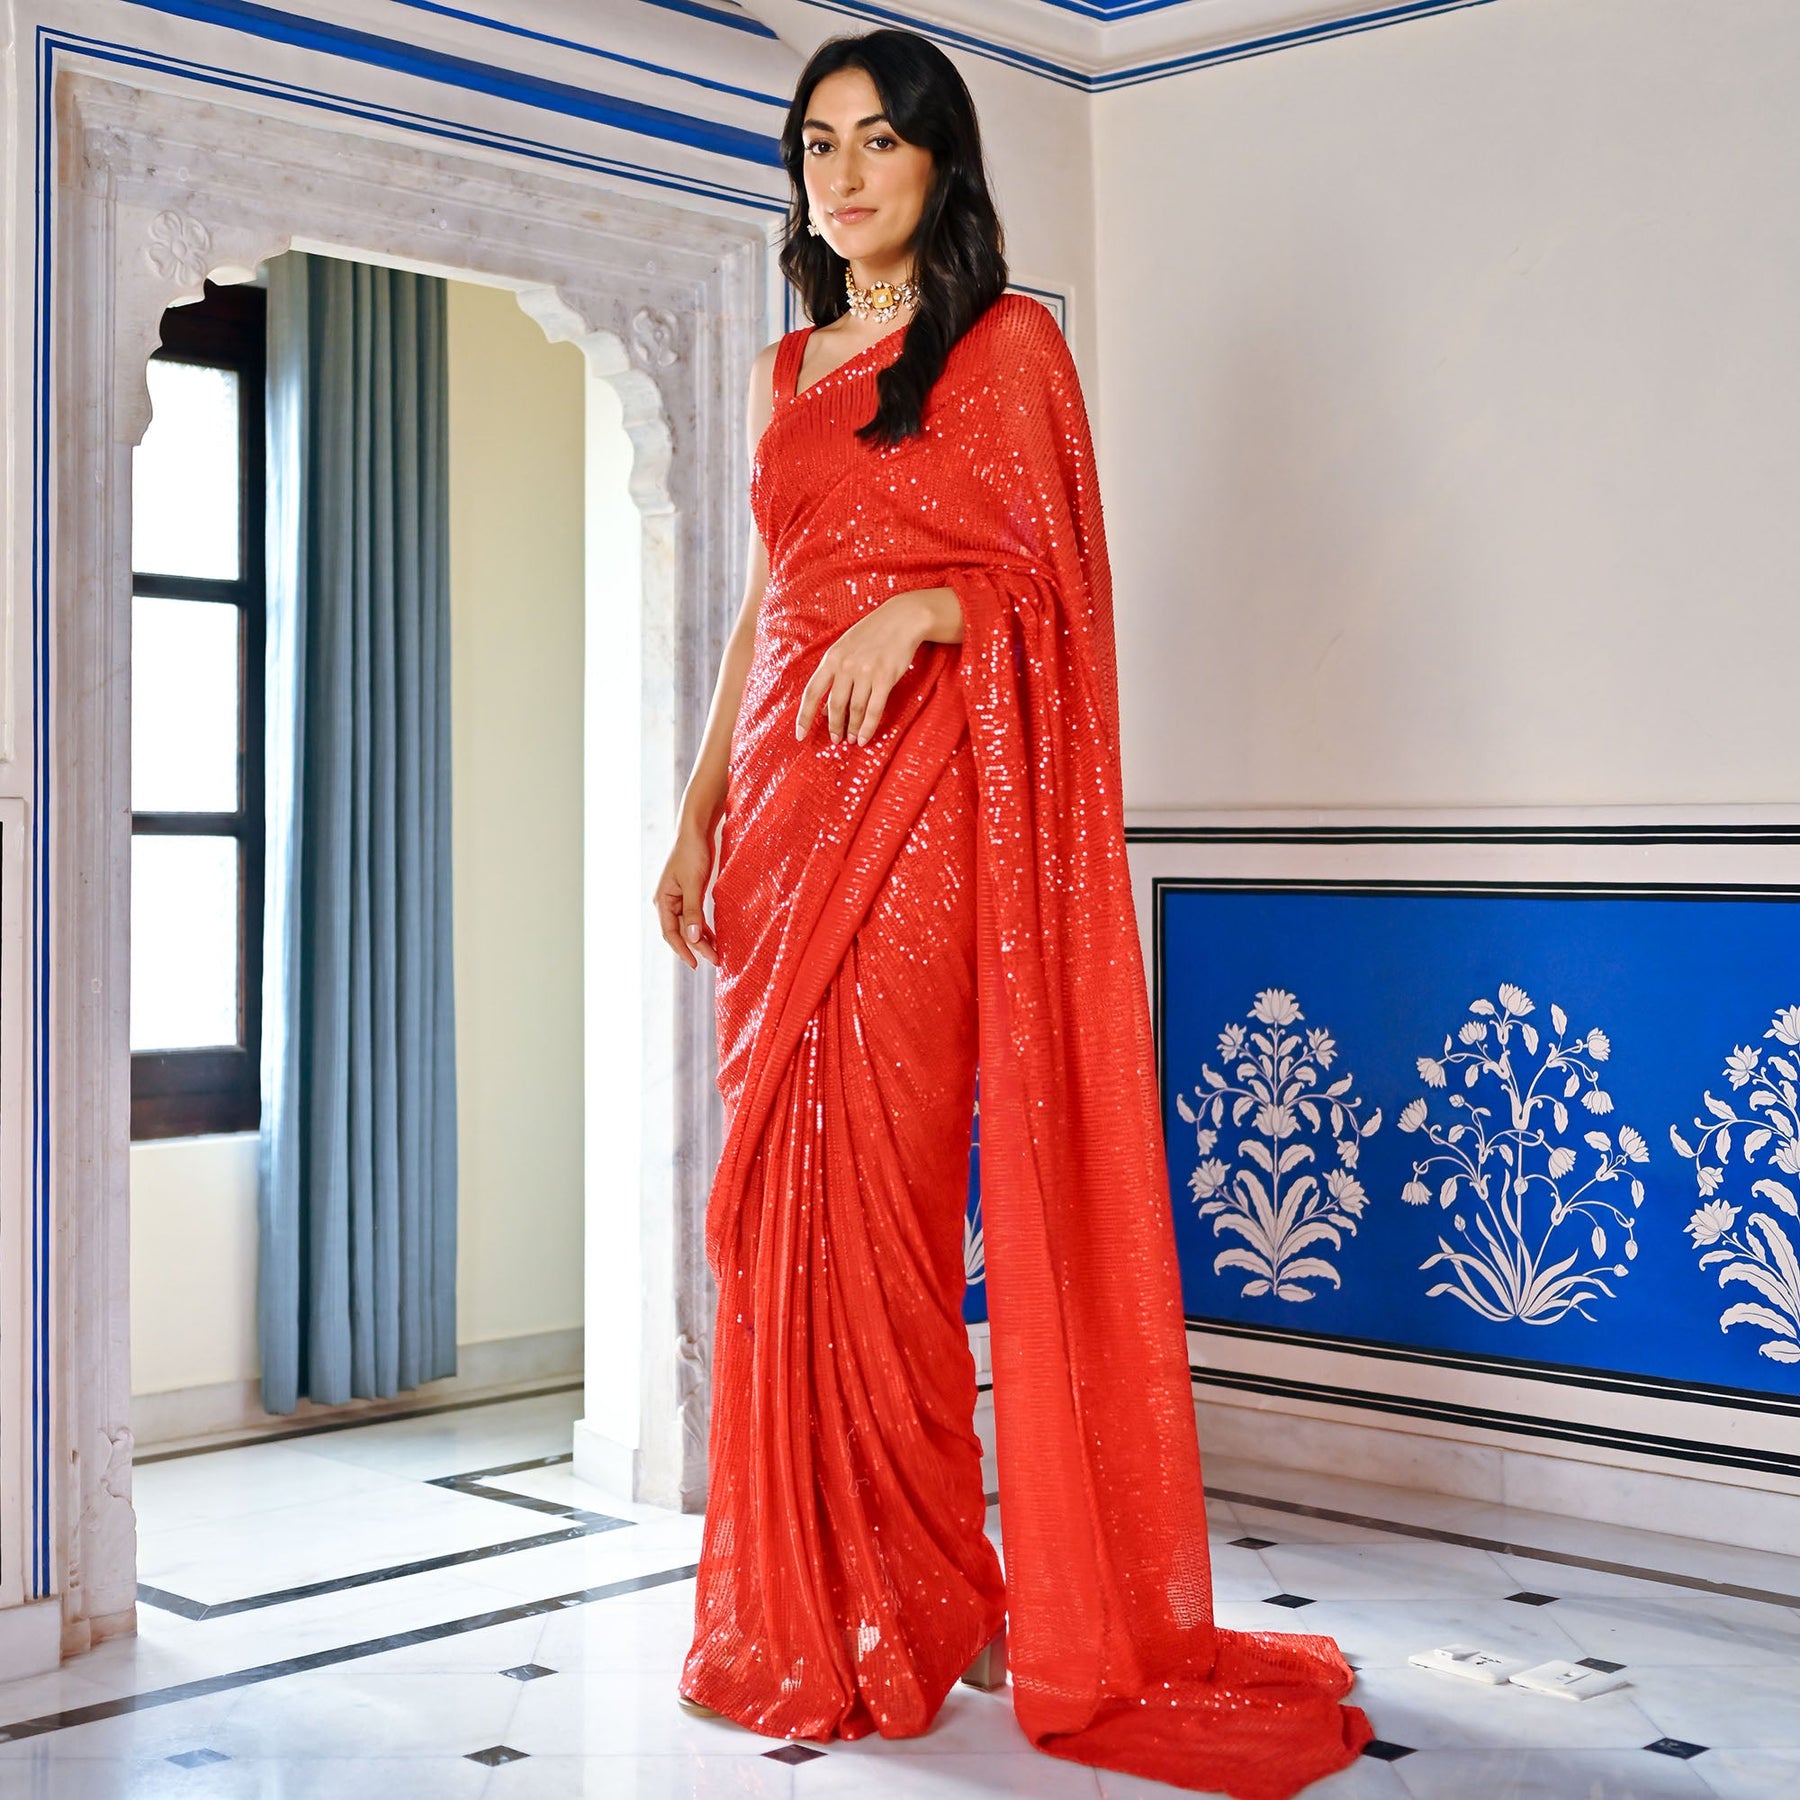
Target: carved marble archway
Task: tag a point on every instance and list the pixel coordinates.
(157, 191)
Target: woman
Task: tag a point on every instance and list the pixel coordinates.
(912, 763)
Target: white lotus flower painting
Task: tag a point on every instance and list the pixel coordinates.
(1279, 1139)
(1751, 1246)
(1539, 1214)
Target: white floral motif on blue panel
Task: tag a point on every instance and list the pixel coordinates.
(974, 1245)
(1651, 990)
(1542, 1227)
(1757, 1253)
(1283, 1212)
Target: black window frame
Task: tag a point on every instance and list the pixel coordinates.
(200, 1092)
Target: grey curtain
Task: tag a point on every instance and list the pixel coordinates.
(356, 1275)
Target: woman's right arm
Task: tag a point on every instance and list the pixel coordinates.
(680, 897)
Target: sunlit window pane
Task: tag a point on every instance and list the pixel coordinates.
(184, 942)
(184, 486)
(184, 706)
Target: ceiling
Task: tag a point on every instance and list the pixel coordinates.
(1101, 44)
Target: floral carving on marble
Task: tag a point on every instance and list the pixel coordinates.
(179, 246)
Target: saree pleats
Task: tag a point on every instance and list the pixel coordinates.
(846, 1580)
(888, 916)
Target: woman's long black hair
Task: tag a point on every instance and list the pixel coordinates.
(959, 257)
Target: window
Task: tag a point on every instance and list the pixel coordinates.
(197, 725)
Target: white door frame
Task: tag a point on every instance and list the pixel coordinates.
(158, 188)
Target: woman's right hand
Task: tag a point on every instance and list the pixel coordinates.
(680, 898)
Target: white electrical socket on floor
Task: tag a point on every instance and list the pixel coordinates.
(1568, 1680)
(1469, 1662)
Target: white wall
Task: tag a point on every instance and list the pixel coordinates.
(516, 580)
(614, 913)
(1452, 415)
(193, 1263)
(516, 601)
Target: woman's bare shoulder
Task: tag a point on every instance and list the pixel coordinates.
(760, 406)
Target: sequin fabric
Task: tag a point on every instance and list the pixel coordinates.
(888, 915)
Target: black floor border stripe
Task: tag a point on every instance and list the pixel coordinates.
(202, 1610)
(341, 1653)
(512, 1468)
(1729, 1590)
(248, 1439)
(472, 1482)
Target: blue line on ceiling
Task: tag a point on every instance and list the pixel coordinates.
(1133, 76)
(738, 21)
(563, 43)
(464, 72)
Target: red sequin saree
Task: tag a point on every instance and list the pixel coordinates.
(887, 915)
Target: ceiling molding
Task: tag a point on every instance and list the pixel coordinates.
(1100, 44)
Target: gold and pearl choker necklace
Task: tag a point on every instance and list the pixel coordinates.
(880, 300)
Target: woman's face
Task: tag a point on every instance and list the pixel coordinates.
(865, 186)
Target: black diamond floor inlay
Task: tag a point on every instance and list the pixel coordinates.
(527, 1671)
(1253, 1543)
(1530, 1599)
(496, 1754)
(792, 1753)
(1287, 1600)
(1383, 1751)
(1676, 1747)
(1600, 1663)
(197, 1759)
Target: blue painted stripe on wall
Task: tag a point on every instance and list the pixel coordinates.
(645, 174)
(563, 43)
(475, 77)
(38, 1451)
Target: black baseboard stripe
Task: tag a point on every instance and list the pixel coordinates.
(356, 1423)
(1447, 1412)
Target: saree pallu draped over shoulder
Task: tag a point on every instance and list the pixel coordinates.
(888, 916)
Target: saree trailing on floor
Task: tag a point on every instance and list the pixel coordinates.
(888, 916)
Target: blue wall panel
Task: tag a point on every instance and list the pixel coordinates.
(1473, 1042)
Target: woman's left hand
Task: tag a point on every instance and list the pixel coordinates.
(859, 671)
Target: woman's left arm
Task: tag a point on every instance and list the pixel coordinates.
(856, 675)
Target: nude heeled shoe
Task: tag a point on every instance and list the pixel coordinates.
(696, 1708)
(988, 1670)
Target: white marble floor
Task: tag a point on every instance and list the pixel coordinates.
(361, 1614)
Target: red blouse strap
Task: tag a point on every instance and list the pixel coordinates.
(787, 362)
